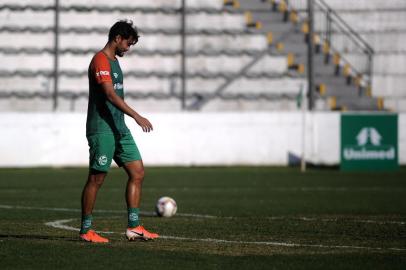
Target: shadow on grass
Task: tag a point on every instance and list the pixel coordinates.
(38, 237)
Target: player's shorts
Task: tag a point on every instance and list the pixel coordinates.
(103, 148)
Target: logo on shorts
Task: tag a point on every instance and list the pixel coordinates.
(102, 160)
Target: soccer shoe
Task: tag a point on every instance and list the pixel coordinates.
(92, 236)
(140, 232)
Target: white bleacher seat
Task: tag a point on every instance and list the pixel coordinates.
(277, 86)
(215, 4)
(94, 19)
(172, 42)
(365, 4)
(27, 62)
(27, 18)
(392, 63)
(29, 2)
(36, 84)
(377, 21)
(153, 63)
(381, 42)
(389, 86)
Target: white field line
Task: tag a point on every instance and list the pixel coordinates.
(2, 206)
(60, 224)
(338, 219)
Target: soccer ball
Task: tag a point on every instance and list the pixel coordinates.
(166, 207)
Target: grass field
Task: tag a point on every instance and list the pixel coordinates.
(228, 218)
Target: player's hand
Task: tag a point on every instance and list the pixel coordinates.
(144, 124)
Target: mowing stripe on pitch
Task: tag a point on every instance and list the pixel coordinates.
(57, 209)
(61, 224)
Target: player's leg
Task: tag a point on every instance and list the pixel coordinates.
(128, 156)
(89, 194)
(101, 148)
(95, 180)
(135, 172)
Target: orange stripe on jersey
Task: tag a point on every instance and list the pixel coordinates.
(100, 68)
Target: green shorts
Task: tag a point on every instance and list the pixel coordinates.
(103, 148)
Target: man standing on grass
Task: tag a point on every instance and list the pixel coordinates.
(108, 136)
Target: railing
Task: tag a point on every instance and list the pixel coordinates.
(340, 38)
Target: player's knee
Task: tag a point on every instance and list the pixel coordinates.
(97, 179)
(138, 176)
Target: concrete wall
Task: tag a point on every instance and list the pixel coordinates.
(45, 139)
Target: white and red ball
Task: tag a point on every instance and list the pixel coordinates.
(166, 207)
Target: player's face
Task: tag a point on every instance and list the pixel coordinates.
(123, 45)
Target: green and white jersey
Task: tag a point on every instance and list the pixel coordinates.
(102, 115)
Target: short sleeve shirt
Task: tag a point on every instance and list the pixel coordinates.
(102, 115)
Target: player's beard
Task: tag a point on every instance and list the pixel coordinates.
(120, 52)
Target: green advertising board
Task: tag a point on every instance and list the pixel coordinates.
(369, 142)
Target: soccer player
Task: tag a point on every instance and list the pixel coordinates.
(108, 136)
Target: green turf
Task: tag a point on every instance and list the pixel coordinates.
(270, 218)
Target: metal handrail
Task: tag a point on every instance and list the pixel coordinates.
(334, 19)
(356, 37)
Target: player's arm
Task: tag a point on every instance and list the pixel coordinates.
(116, 100)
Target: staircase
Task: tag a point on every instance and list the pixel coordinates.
(342, 63)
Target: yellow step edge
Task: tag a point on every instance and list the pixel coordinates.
(316, 39)
(347, 70)
(301, 68)
(250, 22)
(291, 59)
(305, 28)
(280, 46)
(269, 38)
(358, 80)
(369, 91)
(336, 59)
(380, 103)
(282, 6)
(293, 17)
(326, 47)
(322, 89)
(248, 17)
(332, 102)
(344, 108)
(258, 25)
(228, 3)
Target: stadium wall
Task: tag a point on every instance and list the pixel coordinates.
(183, 139)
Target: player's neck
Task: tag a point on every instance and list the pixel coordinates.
(110, 51)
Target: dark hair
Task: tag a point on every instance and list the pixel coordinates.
(125, 29)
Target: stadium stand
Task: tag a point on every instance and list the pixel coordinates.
(235, 60)
(219, 46)
(377, 26)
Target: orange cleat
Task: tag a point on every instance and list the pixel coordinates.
(140, 232)
(92, 236)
